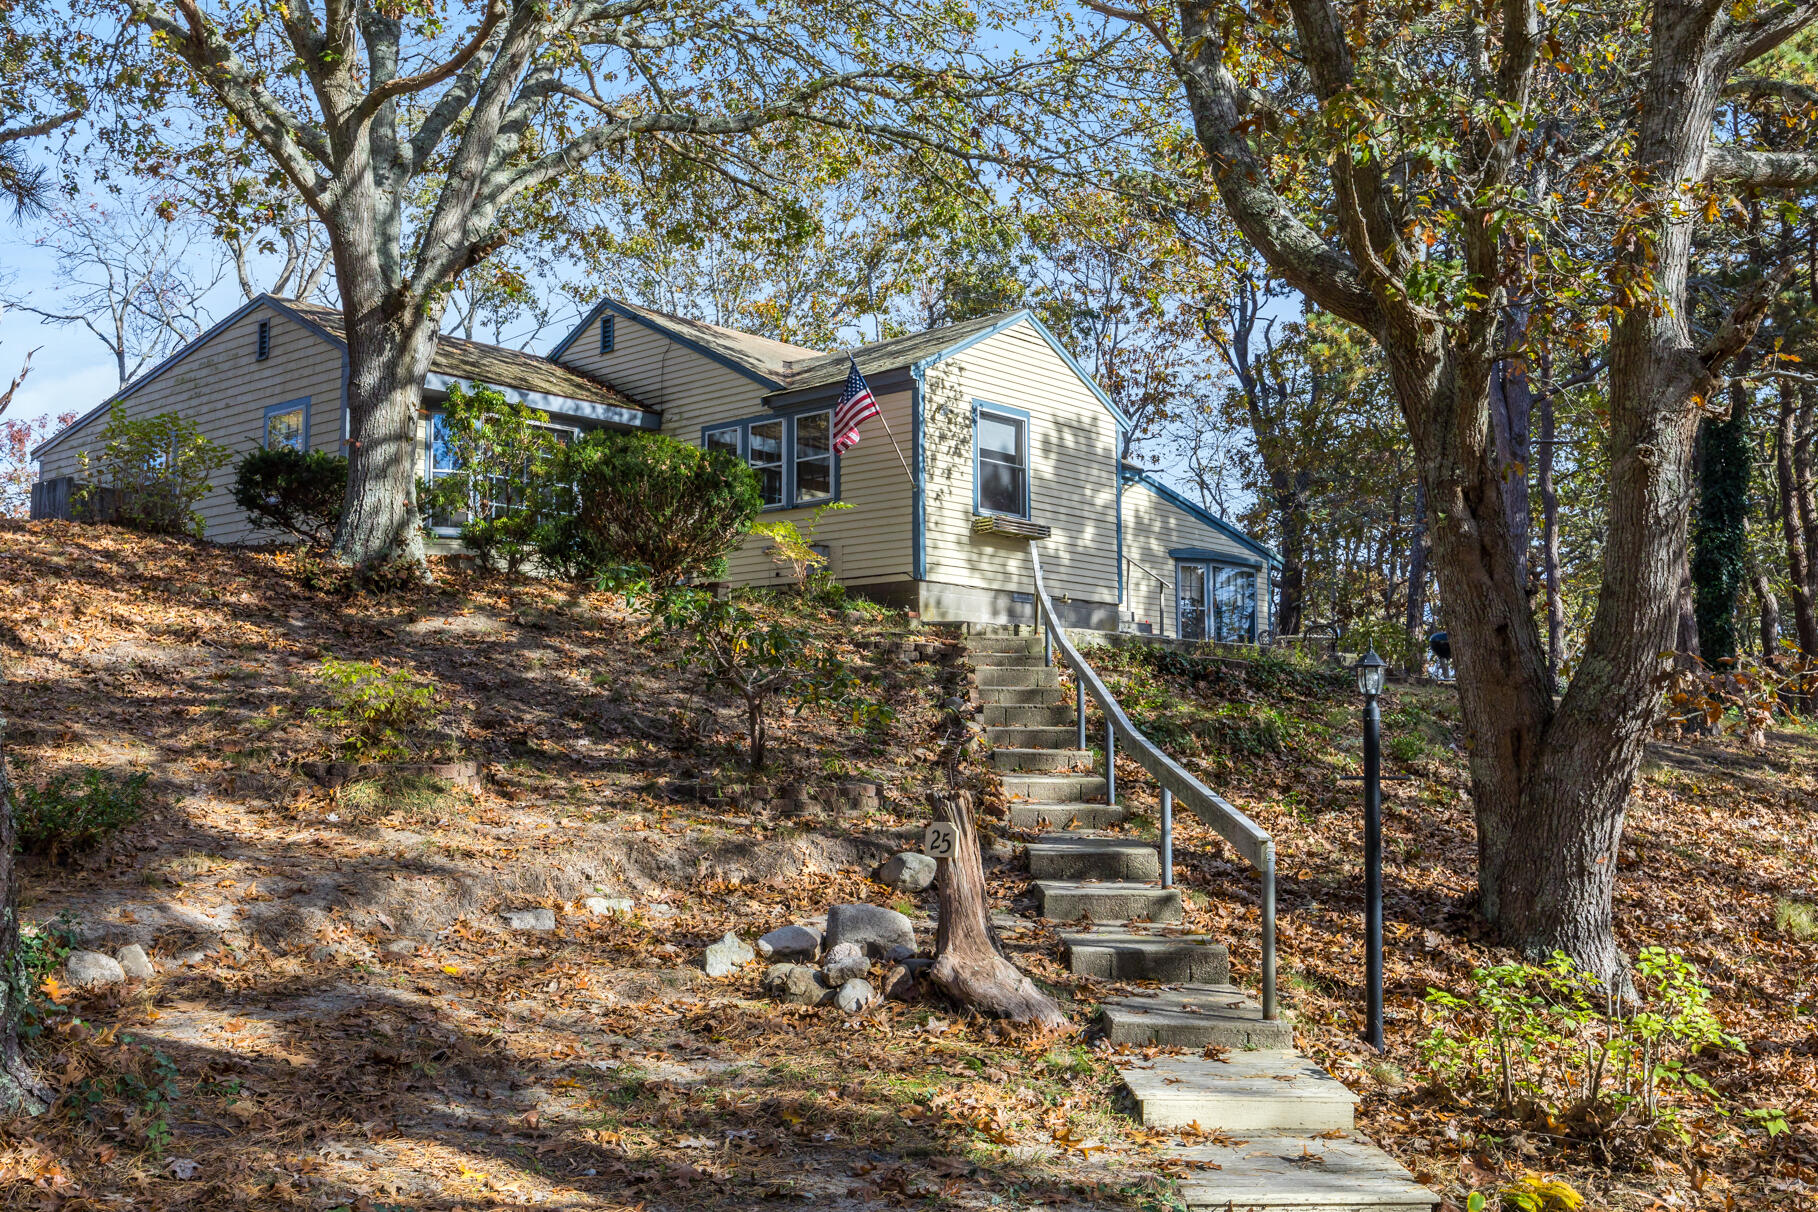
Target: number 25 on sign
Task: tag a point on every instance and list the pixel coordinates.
(940, 840)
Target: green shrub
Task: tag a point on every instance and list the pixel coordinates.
(294, 491)
(380, 712)
(1795, 919)
(1552, 1038)
(151, 473)
(76, 812)
(1406, 748)
(672, 509)
(763, 661)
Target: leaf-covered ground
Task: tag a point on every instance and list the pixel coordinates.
(342, 1019)
(1717, 835)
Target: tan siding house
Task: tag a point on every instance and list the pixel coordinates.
(991, 437)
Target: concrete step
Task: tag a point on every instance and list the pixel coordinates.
(1112, 901)
(1055, 788)
(1006, 660)
(1299, 1174)
(1022, 696)
(1041, 759)
(1066, 816)
(1031, 677)
(1192, 1016)
(999, 633)
(1031, 736)
(1035, 715)
(1257, 1091)
(1071, 856)
(1119, 955)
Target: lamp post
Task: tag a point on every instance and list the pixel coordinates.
(1371, 671)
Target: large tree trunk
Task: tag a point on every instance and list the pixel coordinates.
(1549, 536)
(1293, 579)
(1798, 508)
(389, 348)
(967, 964)
(1416, 621)
(20, 1091)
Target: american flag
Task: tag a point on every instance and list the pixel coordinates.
(856, 404)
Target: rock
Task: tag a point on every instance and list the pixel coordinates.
(726, 956)
(401, 946)
(855, 996)
(907, 872)
(790, 943)
(192, 957)
(845, 962)
(872, 927)
(797, 984)
(531, 919)
(898, 954)
(94, 968)
(900, 986)
(603, 905)
(135, 963)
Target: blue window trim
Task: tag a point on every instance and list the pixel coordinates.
(273, 410)
(608, 335)
(1022, 418)
(743, 426)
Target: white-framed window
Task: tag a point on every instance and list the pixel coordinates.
(1000, 471)
(792, 456)
(287, 424)
(1215, 602)
(765, 451)
(442, 460)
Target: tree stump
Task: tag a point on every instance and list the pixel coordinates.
(968, 966)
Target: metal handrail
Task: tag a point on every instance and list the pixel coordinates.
(1244, 835)
(1162, 621)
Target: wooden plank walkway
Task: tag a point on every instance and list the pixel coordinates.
(1282, 1128)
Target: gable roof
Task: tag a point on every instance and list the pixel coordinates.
(455, 357)
(784, 367)
(760, 358)
(498, 365)
(1132, 475)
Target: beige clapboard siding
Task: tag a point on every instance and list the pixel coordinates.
(1154, 526)
(1073, 469)
(870, 543)
(225, 389)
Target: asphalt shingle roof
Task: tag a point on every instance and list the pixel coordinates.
(493, 364)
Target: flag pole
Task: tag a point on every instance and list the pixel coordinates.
(885, 422)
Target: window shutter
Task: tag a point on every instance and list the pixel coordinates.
(606, 333)
(264, 340)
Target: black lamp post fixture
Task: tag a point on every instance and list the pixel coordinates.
(1371, 671)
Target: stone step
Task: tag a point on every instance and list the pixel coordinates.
(1117, 955)
(1065, 856)
(1054, 788)
(1031, 736)
(1031, 677)
(1192, 1016)
(1007, 660)
(989, 633)
(1032, 715)
(1300, 1174)
(1022, 696)
(1041, 759)
(1066, 816)
(1256, 1091)
(1112, 901)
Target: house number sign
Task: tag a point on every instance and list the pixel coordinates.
(940, 840)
